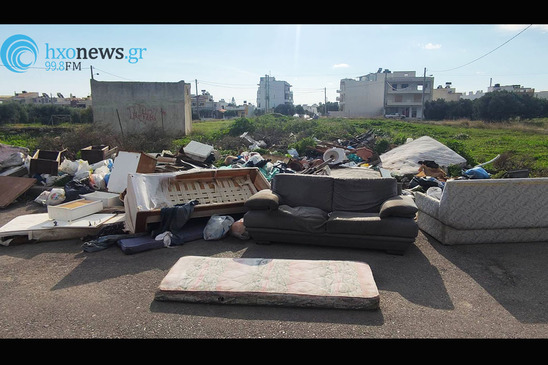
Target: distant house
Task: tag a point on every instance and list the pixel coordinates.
(446, 93)
(382, 93)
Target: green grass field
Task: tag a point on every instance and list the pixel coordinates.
(520, 144)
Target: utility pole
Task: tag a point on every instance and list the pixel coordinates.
(91, 69)
(423, 89)
(325, 100)
(197, 100)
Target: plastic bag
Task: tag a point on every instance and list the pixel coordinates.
(97, 178)
(217, 227)
(434, 192)
(477, 173)
(42, 198)
(84, 170)
(55, 196)
(69, 167)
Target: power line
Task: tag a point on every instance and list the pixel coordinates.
(466, 64)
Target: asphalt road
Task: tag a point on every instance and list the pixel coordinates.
(56, 290)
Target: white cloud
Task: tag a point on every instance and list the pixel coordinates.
(431, 46)
(341, 65)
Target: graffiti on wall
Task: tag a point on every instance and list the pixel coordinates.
(144, 113)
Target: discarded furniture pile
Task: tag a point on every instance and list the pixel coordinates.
(340, 194)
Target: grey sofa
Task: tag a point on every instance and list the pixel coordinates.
(486, 211)
(325, 210)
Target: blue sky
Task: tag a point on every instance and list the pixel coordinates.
(228, 60)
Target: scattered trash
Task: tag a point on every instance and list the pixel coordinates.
(404, 159)
(477, 172)
(435, 192)
(198, 151)
(218, 227)
(254, 144)
(151, 188)
(238, 230)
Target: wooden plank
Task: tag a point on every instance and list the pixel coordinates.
(12, 187)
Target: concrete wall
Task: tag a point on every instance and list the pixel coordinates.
(135, 107)
(363, 98)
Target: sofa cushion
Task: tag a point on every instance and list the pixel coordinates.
(304, 190)
(371, 224)
(305, 219)
(398, 206)
(263, 199)
(362, 194)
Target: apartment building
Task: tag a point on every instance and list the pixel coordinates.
(272, 92)
(385, 92)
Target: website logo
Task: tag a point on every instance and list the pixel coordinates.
(19, 53)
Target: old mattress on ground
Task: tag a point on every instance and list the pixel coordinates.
(259, 281)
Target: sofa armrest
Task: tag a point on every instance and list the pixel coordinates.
(427, 204)
(263, 199)
(398, 206)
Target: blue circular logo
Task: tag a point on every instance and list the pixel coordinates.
(18, 53)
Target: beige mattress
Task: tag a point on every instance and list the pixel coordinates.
(259, 281)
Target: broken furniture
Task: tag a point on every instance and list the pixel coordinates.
(75, 209)
(109, 199)
(126, 163)
(40, 227)
(486, 211)
(218, 191)
(280, 282)
(325, 210)
(198, 151)
(45, 162)
(96, 153)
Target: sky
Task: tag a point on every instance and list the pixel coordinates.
(228, 60)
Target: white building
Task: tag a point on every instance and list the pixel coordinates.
(272, 93)
(381, 93)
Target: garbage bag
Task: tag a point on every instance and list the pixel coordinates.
(69, 167)
(477, 172)
(74, 188)
(56, 196)
(217, 227)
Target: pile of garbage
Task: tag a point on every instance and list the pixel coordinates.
(420, 164)
(318, 159)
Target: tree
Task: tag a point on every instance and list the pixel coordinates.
(285, 109)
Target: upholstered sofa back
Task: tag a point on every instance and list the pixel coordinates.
(332, 193)
(495, 203)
